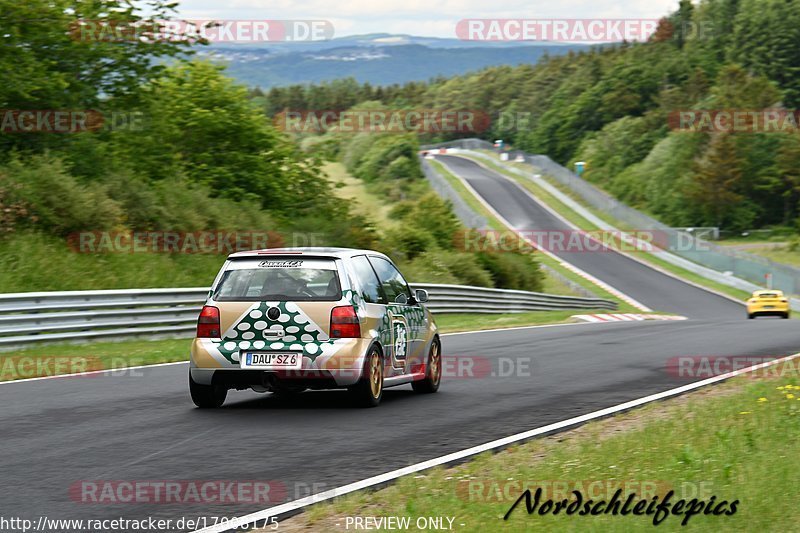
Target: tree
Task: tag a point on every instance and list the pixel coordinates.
(716, 182)
(788, 170)
(202, 125)
(55, 55)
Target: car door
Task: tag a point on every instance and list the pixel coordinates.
(403, 316)
(373, 300)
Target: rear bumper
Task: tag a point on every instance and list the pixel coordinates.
(761, 311)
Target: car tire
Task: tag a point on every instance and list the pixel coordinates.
(433, 371)
(207, 396)
(785, 316)
(369, 389)
(751, 316)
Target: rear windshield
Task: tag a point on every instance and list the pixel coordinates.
(769, 295)
(279, 279)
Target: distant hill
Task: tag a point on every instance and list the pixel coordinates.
(379, 59)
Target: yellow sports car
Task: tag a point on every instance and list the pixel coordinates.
(768, 303)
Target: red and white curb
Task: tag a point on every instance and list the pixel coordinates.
(626, 317)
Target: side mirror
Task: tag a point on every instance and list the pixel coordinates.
(421, 295)
(401, 299)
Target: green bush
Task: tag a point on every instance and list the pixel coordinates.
(428, 268)
(376, 163)
(431, 213)
(408, 242)
(466, 268)
(512, 271)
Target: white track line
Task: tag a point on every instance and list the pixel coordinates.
(92, 373)
(280, 510)
(124, 368)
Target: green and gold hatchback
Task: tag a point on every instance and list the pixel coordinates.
(290, 319)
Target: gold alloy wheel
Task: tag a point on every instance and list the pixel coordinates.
(435, 364)
(375, 375)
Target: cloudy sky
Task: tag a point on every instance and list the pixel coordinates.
(430, 18)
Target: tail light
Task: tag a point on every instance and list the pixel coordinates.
(208, 323)
(344, 323)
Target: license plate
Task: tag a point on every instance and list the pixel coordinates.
(271, 360)
(769, 307)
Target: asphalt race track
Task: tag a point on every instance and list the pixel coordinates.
(654, 289)
(141, 425)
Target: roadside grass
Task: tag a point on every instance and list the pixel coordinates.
(553, 285)
(584, 224)
(733, 441)
(495, 224)
(362, 201)
(56, 359)
(34, 262)
(467, 196)
(456, 322)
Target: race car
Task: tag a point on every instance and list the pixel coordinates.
(768, 303)
(290, 319)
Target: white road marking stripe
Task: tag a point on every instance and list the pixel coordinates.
(279, 510)
(78, 374)
(93, 372)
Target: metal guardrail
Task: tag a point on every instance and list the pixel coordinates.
(739, 264)
(35, 317)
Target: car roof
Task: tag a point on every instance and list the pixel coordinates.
(311, 251)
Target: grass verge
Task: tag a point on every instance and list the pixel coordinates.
(733, 441)
(354, 190)
(452, 323)
(56, 359)
(34, 262)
